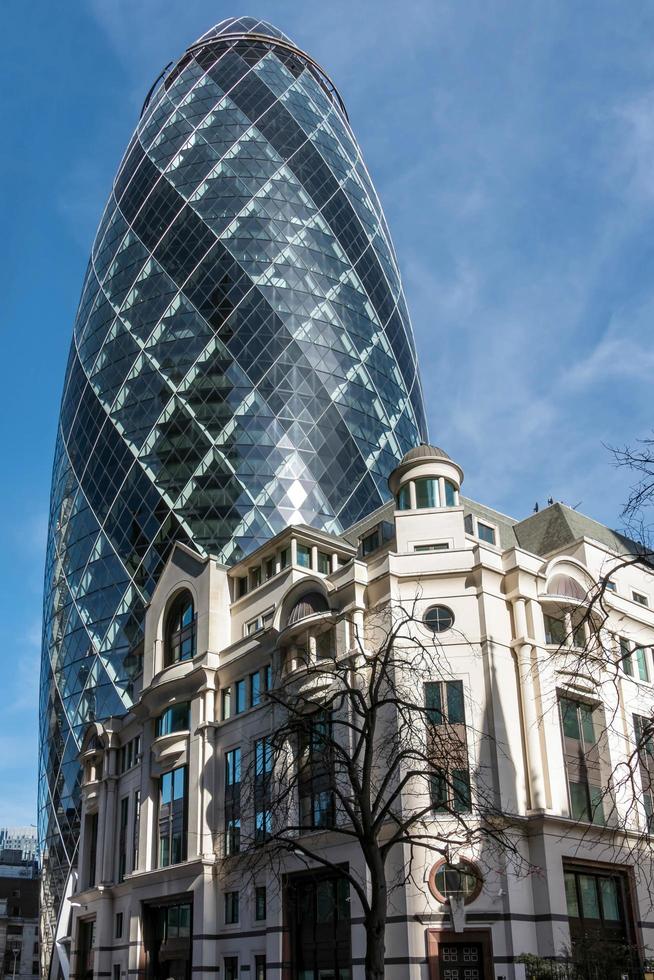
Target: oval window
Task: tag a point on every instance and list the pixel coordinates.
(461, 880)
(438, 619)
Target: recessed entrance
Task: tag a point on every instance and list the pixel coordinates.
(317, 912)
(459, 955)
(167, 940)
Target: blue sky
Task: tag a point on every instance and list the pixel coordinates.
(512, 144)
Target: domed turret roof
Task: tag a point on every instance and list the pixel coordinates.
(424, 450)
(420, 455)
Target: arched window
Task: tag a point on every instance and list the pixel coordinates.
(179, 641)
(308, 605)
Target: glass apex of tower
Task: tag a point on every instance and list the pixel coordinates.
(245, 25)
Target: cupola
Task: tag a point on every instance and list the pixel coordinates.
(428, 515)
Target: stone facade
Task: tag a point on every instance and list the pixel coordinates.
(550, 699)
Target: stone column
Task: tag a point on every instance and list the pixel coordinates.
(107, 854)
(523, 651)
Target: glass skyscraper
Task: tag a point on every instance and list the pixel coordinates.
(242, 359)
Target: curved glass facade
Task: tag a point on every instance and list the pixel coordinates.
(242, 359)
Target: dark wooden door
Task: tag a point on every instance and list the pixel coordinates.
(461, 961)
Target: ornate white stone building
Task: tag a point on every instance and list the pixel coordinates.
(545, 631)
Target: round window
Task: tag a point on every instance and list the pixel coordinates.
(447, 880)
(438, 619)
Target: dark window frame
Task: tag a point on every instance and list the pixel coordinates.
(172, 822)
(447, 746)
(180, 632)
(582, 725)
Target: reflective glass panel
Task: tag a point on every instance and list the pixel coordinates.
(426, 493)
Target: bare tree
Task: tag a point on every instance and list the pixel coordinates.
(615, 755)
(640, 460)
(362, 751)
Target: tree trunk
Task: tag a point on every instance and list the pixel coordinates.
(375, 924)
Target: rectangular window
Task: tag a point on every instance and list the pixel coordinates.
(303, 556)
(136, 814)
(123, 825)
(324, 563)
(241, 586)
(227, 703)
(263, 766)
(485, 533)
(118, 932)
(555, 632)
(260, 903)
(239, 697)
(255, 577)
(255, 689)
(449, 782)
(285, 558)
(437, 546)
(231, 908)
(641, 599)
(253, 627)
(259, 967)
(316, 777)
(455, 714)
(640, 655)
(626, 658)
(232, 801)
(433, 703)
(231, 967)
(598, 907)
(172, 817)
(645, 748)
(267, 677)
(610, 585)
(582, 726)
(115, 971)
(578, 632)
(467, 524)
(404, 497)
(326, 644)
(92, 827)
(426, 493)
(371, 542)
(269, 568)
(447, 746)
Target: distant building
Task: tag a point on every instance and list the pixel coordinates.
(23, 839)
(165, 881)
(19, 907)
